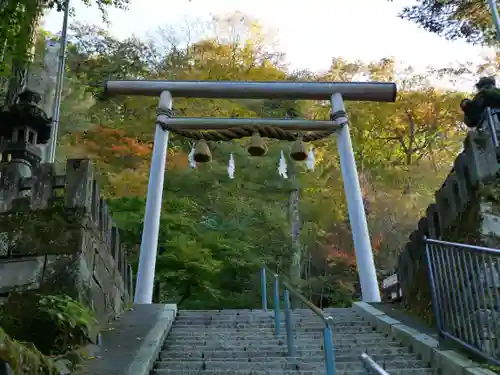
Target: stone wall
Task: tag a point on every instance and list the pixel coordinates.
(58, 236)
(459, 200)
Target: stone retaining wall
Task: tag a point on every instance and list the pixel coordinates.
(57, 235)
(476, 166)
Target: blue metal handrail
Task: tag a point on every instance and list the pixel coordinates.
(465, 289)
(371, 367)
(328, 346)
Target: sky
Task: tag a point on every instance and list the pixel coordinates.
(310, 33)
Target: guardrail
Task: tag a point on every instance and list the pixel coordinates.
(371, 367)
(465, 286)
(288, 290)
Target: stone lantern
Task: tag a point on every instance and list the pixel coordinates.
(23, 127)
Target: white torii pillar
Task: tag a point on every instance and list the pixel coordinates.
(357, 217)
(149, 243)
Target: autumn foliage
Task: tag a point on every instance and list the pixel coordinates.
(217, 231)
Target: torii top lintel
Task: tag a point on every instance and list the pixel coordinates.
(355, 91)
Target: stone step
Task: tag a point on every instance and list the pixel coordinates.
(312, 356)
(270, 320)
(280, 364)
(413, 371)
(308, 346)
(276, 352)
(270, 324)
(312, 337)
(307, 311)
(263, 315)
(313, 322)
(369, 347)
(261, 329)
(267, 335)
(266, 315)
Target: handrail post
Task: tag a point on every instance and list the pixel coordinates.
(288, 324)
(432, 284)
(263, 288)
(276, 303)
(329, 348)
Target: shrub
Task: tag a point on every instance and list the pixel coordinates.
(55, 324)
(24, 358)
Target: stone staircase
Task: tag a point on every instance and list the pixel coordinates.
(242, 342)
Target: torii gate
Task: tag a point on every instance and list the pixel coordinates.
(336, 92)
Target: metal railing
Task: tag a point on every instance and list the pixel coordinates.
(465, 287)
(371, 367)
(288, 290)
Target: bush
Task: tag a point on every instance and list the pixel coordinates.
(24, 358)
(54, 324)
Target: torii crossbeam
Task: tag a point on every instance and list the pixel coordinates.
(335, 92)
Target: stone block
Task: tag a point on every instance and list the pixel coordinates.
(42, 189)
(425, 346)
(25, 273)
(403, 334)
(102, 215)
(384, 324)
(462, 169)
(79, 184)
(101, 272)
(106, 258)
(451, 362)
(106, 282)
(68, 274)
(98, 299)
(115, 241)
(87, 247)
(96, 198)
(449, 202)
(459, 191)
(432, 215)
(116, 300)
(119, 280)
(367, 311)
(481, 156)
(10, 179)
(490, 224)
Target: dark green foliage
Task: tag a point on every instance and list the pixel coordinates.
(54, 324)
(454, 19)
(211, 249)
(24, 358)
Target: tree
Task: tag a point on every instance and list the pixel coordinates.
(18, 35)
(454, 19)
(216, 232)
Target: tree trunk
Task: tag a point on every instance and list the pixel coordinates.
(24, 50)
(410, 150)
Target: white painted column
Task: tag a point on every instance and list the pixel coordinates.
(357, 217)
(149, 242)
